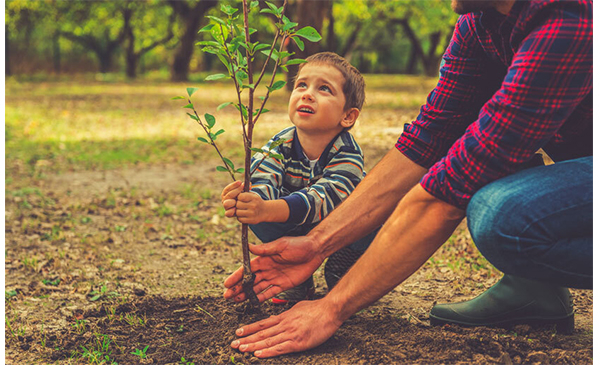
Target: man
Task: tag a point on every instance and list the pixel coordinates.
(517, 77)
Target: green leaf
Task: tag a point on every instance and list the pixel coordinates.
(218, 20)
(252, 31)
(253, 4)
(193, 116)
(295, 61)
(283, 55)
(202, 139)
(241, 74)
(270, 5)
(228, 161)
(277, 85)
(262, 97)
(269, 11)
(258, 150)
(289, 26)
(215, 77)
(177, 98)
(95, 298)
(191, 90)
(299, 43)
(224, 61)
(209, 43)
(249, 86)
(224, 105)
(220, 131)
(276, 155)
(206, 28)
(273, 55)
(240, 170)
(276, 143)
(210, 120)
(189, 106)
(261, 46)
(228, 9)
(221, 168)
(309, 33)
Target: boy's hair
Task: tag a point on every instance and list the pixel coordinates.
(354, 84)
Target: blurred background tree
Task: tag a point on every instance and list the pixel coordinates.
(139, 36)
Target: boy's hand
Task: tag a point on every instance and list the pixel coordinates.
(251, 208)
(229, 197)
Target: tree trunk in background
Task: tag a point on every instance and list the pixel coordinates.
(6, 50)
(411, 67)
(308, 13)
(192, 18)
(331, 41)
(130, 56)
(56, 51)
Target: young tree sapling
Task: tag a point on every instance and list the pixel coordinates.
(233, 46)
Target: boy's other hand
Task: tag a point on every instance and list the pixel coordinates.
(251, 209)
(229, 197)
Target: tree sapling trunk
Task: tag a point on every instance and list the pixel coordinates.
(233, 47)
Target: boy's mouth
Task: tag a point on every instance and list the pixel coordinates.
(306, 109)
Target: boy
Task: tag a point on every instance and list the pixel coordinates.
(321, 165)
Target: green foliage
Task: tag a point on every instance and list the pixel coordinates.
(141, 353)
(99, 351)
(232, 45)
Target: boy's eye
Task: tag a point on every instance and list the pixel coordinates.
(301, 84)
(325, 88)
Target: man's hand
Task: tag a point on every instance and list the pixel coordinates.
(280, 265)
(291, 331)
(229, 197)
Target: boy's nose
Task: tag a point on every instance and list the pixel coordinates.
(307, 96)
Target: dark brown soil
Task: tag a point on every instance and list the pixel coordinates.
(200, 329)
(159, 257)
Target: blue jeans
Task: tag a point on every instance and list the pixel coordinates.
(537, 223)
(267, 232)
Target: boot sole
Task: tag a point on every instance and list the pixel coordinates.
(565, 325)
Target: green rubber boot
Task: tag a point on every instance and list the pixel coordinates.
(512, 300)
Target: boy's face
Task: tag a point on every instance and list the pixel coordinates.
(317, 101)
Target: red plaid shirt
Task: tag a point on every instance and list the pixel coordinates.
(510, 85)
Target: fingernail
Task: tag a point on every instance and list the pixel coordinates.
(239, 331)
(257, 353)
(235, 343)
(243, 347)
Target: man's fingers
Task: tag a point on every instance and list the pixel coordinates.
(250, 329)
(269, 293)
(280, 349)
(267, 249)
(235, 278)
(230, 213)
(270, 339)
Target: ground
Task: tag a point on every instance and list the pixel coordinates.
(116, 247)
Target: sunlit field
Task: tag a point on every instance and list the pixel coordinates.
(87, 124)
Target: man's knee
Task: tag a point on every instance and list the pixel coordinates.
(494, 223)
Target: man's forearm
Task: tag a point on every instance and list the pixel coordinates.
(417, 228)
(370, 204)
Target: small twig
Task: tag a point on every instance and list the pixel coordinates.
(212, 142)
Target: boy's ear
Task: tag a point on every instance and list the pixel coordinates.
(350, 118)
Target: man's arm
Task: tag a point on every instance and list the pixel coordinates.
(291, 260)
(417, 228)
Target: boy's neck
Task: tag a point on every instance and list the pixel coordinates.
(314, 145)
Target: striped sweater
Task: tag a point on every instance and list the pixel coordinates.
(310, 194)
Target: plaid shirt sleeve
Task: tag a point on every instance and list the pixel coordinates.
(550, 74)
